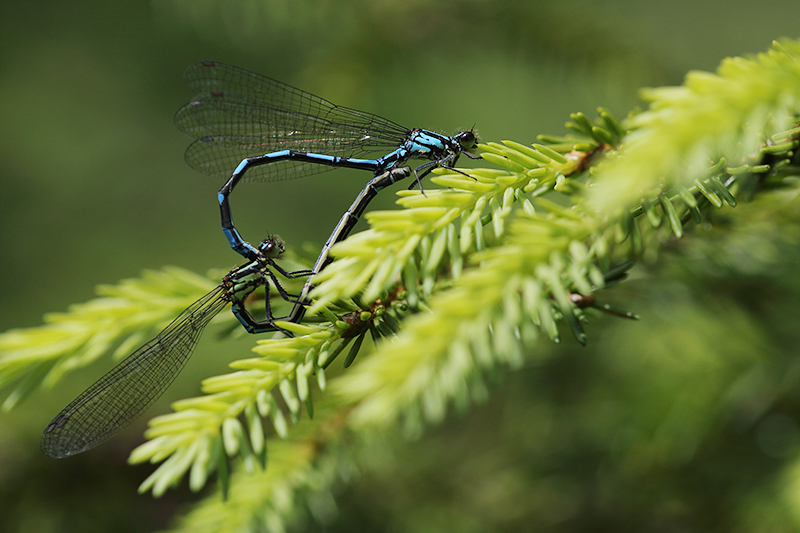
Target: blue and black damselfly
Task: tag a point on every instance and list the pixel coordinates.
(245, 123)
(121, 395)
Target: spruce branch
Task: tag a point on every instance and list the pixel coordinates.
(204, 432)
(116, 322)
(727, 114)
(301, 467)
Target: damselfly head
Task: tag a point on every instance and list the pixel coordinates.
(467, 139)
(272, 246)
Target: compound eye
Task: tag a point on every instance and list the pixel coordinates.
(467, 140)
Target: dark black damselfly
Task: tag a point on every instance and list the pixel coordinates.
(137, 381)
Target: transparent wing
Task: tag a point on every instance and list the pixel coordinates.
(243, 113)
(120, 396)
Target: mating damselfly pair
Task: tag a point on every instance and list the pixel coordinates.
(251, 128)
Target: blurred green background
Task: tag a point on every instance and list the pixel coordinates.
(684, 421)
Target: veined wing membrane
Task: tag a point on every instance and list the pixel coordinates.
(129, 388)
